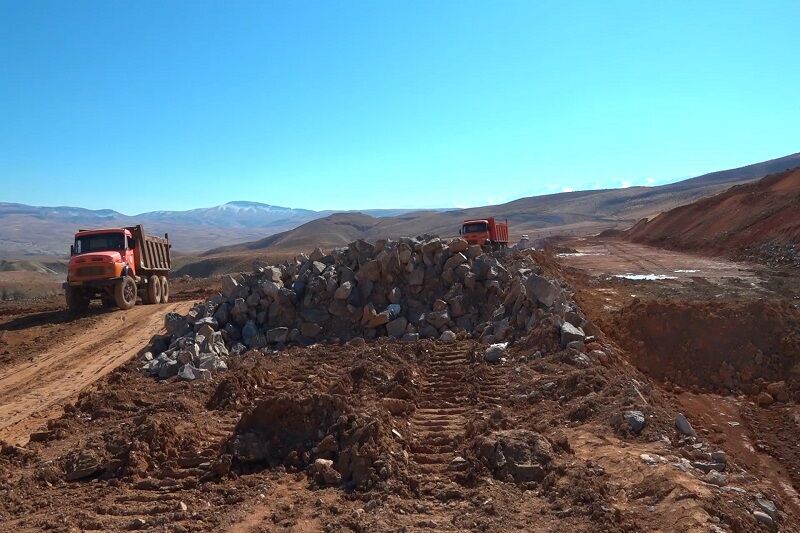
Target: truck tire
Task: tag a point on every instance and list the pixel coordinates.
(125, 293)
(77, 302)
(164, 290)
(153, 290)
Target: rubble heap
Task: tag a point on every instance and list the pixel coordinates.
(406, 289)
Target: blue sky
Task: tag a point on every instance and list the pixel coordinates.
(148, 105)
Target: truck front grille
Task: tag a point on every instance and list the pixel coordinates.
(93, 271)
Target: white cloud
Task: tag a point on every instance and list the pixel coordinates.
(651, 181)
(567, 189)
(624, 184)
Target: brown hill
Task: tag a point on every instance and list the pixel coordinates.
(570, 213)
(759, 219)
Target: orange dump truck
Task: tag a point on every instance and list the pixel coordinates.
(485, 231)
(117, 266)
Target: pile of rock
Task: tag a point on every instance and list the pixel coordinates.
(406, 289)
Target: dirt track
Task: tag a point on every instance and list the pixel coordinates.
(34, 390)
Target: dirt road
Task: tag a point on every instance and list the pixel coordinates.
(34, 390)
(626, 260)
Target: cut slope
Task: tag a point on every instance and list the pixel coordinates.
(742, 219)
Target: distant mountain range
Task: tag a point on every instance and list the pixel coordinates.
(247, 227)
(27, 230)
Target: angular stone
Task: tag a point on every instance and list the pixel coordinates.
(397, 327)
(570, 333)
(447, 336)
(277, 335)
(683, 426)
(310, 330)
(636, 421)
(344, 290)
(379, 319)
(494, 353)
(457, 245)
(542, 290)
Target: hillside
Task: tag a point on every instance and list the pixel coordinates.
(569, 213)
(47, 231)
(755, 219)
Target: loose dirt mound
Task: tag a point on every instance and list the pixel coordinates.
(759, 219)
(723, 346)
(294, 431)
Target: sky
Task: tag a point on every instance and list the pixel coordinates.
(149, 105)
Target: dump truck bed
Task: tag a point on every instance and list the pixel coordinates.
(151, 253)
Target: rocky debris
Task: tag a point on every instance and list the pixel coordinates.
(717, 478)
(323, 473)
(765, 399)
(778, 391)
(763, 518)
(519, 455)
(297, 431)
(447, 336)
(81, 464)
(410, 289)
(494, 353)
(683, 425)
(570, 333)
(767, 506)
(636, 421)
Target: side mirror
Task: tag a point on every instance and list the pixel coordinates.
(71, 249)
(460, 230)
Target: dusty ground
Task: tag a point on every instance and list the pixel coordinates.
(712, 338)
(413, 422)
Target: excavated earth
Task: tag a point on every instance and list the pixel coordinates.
(387, 435)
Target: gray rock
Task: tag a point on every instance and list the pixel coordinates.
(176, 325)
(447, 336)
(717, 478)
(207, 321)
(764, 518)
(230, 287)
(344, 290)
(636, 421)
(494, 353)
(397, 327)
(317, 316)
(276, 335)
(410, 337)
(683, 426)
(767, 506)
(438, 319)
(249, 331)
(310, 330)
(212, 362)
(570, 333)
(542, 290)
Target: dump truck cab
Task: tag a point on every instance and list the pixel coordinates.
(101, 254)
(485, 232)
(117, 265)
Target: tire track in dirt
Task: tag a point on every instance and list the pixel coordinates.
(33, 391)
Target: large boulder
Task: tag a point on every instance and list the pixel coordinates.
(542, 290)
(521, 455)
(570, 333)
(397, 327)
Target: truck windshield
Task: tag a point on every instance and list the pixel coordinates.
(475, 227)
(99, 242)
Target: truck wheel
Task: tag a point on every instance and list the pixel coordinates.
(164, 290)
(77, 302)
(153, 290)
(125, 293)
